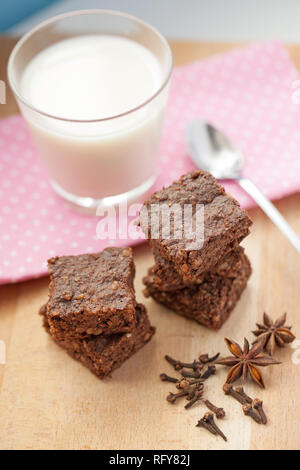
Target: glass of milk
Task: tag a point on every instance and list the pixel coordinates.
(92, 86)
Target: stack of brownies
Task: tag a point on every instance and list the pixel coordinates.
(203, 283)
(92, 310)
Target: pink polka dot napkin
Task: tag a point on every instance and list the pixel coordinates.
(250, 93)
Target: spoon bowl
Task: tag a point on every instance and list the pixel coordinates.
(212, 151)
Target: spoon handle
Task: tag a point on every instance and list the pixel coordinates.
(271, 211)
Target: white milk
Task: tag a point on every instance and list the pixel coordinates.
(88, 78)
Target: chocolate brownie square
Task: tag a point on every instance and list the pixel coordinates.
(166, 279)
(208, 303)
(103, 354)
(224, 225)
(91, 294)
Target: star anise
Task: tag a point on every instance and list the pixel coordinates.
(273, 333)
(245, 361)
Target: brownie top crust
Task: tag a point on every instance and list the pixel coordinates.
(92, 283)
(222, 212)
(224, 222)
(196, 186)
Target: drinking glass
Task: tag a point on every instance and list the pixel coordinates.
(96, 162)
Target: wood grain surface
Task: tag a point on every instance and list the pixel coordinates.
(48, 401)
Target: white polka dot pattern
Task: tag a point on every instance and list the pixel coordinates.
(247, 93)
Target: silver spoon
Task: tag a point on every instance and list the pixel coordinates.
(212, 151)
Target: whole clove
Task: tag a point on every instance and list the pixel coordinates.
(178, 365)
(249, 411)
(204, 358)
(196, 396)
(208, 423)
(229, 390)
(210, 418)
(172, 397)
(194, 390)
(167, 378)
(211, 370)
(241, 391)
(183, 384)
(196, 374)
(191, 365)
(202, 423)
(219, 412)
(258, 406)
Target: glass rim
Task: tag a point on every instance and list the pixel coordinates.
(62, 16)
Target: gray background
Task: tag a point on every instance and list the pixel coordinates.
(207, 20)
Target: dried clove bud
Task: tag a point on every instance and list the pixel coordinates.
(167, 378)
(172, 397)
(204, 358)
(219, 412)
(229, 390)
(196, 374)
(211, 370)
(241, 391)
(178, 365)
(194, 397)
(194, 390)
(192, 365)
(258, 406)
(203, 423)
(249, 411)
(183, 384)
(209, 418)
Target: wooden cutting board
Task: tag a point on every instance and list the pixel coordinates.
(48, 401)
